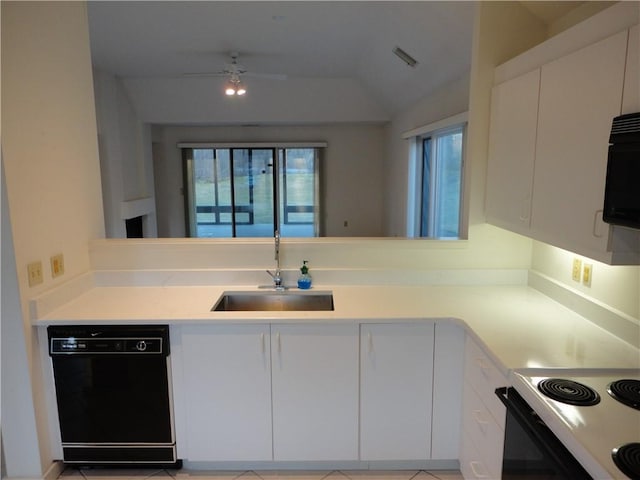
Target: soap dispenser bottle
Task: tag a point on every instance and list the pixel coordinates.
(304, 280)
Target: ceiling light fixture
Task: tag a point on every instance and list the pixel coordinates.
(234, 86)
(405, 57)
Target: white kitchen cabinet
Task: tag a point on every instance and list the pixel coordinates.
(512, 146)
(315, 392)
(226, 379)
(580, 94)
(631, 93)
(546, 179)
(396, 379)
(448, 371)
(483, 415)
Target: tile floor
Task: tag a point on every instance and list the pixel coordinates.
(106, 474)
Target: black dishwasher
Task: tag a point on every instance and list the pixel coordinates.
(113, 394)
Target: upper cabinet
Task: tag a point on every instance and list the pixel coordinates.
(512, 146)
(549, 138)
(579, 96)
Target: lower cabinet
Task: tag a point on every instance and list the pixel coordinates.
(483, 415)
(396, 381)
(315, 392)
(227, 392)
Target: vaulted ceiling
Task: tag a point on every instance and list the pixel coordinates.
(160, 41)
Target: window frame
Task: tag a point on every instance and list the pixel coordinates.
(417, 137)
(279, 162)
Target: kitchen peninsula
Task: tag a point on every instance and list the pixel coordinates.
(445, 332)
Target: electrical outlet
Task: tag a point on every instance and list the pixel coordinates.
(34, 270)
(576, 270)
(587, 273)
(57, 265)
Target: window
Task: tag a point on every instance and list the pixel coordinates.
(436, 180)
(251, 191)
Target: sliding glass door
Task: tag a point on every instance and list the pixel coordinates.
(234, 192)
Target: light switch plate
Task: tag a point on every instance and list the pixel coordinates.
(34, 271)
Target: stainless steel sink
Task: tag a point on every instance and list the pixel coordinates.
(274, 301)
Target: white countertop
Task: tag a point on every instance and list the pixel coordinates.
(521, 327)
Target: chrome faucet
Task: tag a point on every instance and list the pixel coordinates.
(278, 284)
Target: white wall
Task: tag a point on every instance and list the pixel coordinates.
(20, 449)
(448, 101)
(353, 171)
(296, 101)
(50, 155)
(125, 155)
(49, 137)
(501, 30)
(615, 286)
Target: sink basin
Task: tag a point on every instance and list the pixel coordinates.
(274, 301)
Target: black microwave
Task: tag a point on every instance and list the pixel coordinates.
(622, 187)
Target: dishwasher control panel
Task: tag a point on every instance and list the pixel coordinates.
(108, 339)
(106, 345)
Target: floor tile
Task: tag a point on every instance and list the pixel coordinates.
(336, 476)
(185, 474)
(116, 473)
(70, 472)
(380, 474)
(439, 475)
(249, 476)
(295, 475)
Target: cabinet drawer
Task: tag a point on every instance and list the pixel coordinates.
(481, 429)
(482, 374)
(472, 466)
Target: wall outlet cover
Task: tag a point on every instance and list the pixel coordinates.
(57, 265)
(587, 273)
(576, 270)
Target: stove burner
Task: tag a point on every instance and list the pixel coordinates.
(569, 391)
(627, 459)
(626, 391)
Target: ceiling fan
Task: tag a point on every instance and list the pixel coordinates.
(234, 71)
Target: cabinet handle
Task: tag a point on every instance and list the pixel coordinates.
(477, 416)
(279, 343)
(525, 209)
(370, 339)
(262, 343)
(478, 474)
(484, 368)
(596, 216)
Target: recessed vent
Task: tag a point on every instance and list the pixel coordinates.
(405, 57)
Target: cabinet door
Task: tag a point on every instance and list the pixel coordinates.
(512, 142)
(448, 371)
(631, 94)
(315, 392)
(396, 391)
(226, 374)
(579, 96)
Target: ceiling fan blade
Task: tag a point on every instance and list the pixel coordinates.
(270, 76)
(205, 74)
